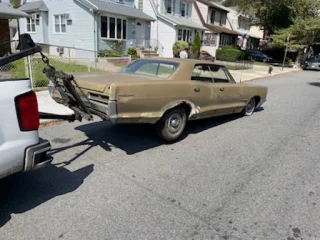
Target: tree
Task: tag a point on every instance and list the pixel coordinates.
(273, 15)
(15, 3)
(230, 3)
(304, 32)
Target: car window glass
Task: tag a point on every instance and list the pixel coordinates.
(201, 73)
(155, 68)
(219, 75)
(165, 70)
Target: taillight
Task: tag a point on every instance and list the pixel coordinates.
(27, 111)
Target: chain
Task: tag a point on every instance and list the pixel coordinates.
(53, 75)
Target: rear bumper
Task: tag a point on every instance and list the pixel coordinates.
(36, 156)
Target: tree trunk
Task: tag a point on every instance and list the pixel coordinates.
(299, 58)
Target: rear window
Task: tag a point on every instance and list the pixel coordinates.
(156, 68)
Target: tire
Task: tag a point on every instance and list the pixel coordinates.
(249, 108)
(172, 124)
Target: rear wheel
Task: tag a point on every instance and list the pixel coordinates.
(172, 124)
(249, 108)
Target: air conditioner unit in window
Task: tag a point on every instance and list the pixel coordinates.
(67, 16)
(60, 50)
(35, 16)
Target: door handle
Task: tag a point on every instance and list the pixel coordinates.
(221, 89)
(197, 89)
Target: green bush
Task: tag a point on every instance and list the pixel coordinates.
(132, 52)
(227, 47)
(230, 55)
(178, 46)
(107, 53)
(196, 46)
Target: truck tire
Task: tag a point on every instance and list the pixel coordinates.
(172, 124)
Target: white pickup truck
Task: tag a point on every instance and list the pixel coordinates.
(21, 149)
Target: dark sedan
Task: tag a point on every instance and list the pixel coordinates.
(312, 63)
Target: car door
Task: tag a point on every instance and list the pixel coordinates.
(203, 92)
(227, 90)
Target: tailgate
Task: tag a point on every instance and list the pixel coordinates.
(13, 142)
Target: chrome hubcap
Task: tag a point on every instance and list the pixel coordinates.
(174, 123)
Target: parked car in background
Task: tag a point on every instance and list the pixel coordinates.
(167, 92)
(313, 62)
(259, 56)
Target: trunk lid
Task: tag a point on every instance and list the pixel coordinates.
(98, 82)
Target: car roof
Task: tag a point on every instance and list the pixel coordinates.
(183, 61)
(186, 66)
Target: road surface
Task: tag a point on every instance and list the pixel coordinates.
(231, 178)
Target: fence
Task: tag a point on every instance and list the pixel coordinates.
(32, 66)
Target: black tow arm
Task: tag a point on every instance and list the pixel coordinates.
(70, 118)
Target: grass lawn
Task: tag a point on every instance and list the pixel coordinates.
(260, 63)
(236, 67)
(17, 70)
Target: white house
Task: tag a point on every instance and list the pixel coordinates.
(80, 28)
(176, 20)
(213, 16)
(241, 23)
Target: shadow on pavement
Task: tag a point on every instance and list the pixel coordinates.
(134, 138)
(25, 191)
(315, 84)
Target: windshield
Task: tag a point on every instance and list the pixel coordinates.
(315, 58)
(155, 68)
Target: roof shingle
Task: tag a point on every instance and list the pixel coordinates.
(34, 6)
(117, 8)
(7, 12)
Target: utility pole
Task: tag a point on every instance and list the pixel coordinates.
(285, 53)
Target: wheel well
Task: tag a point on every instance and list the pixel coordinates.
(186, 107)
(257, 99)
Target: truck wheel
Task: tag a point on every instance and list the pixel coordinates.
(172, 124)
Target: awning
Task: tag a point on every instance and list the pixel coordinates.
(117, 8)
(34, 7)
(7, 12)
(184, 22)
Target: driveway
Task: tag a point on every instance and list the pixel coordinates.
(230, 178)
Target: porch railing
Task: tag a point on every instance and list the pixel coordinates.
(146, 44)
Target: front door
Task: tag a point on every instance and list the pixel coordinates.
(203, 93)
(140, 34)
(228, 91)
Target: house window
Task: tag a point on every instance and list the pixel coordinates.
(212, 17)
(31, 25)
(223, 18)
(140, 4)
(226, 40)
(182, 9)
(210, 39)
(168, 6)
(60, 24)
(185, 35)
(113, 28)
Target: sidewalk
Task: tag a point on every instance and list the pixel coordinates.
(48, 105)
(259, 72)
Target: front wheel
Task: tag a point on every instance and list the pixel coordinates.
(249, 108)
(172, 124)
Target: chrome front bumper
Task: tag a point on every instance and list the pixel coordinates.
(36, 156)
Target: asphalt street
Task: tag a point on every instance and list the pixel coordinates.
(230, 178)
